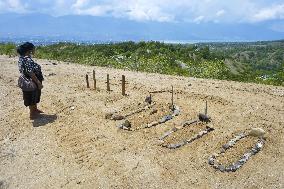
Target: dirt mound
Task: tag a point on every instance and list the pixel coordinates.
(72, 145)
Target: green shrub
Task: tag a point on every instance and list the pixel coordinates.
(255, 63)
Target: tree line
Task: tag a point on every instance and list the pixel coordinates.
(258, 62)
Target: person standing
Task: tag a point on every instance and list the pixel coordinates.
(30, 69)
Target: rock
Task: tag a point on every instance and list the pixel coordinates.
(211, 160)
(172, 107)
(153, 112)
(238, 137)
(127, 124)
(244, 159)
(148, 99)
(51, 74)
(234, 169)
(226, 146)
(117, 117)
(254, 150)
(209, 129)
(237, 166)
(176, 111)
(108, 115)
(221, 168)
(215, 166)
(154, 123)
(173, 146)
(257, 147)
(229, 168)
(174, 129)
(166, 118)
(203, 117)
(257, 132)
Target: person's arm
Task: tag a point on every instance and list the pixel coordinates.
(29, 70)
(34, 78)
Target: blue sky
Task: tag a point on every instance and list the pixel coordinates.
(196, 11)
(146, 19)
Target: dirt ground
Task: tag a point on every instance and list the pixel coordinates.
(72, 145)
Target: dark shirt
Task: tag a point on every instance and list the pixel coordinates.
(28, 66)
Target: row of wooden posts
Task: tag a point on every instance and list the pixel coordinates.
(123, 88)
(108, 83)
(123, 82)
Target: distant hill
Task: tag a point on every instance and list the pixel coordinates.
(259, 62)
(115, 29)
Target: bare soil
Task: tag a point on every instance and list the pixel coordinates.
(235, 153)
(72, 145)
(185, 133)
(150, 115)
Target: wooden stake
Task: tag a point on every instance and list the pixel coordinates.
(123, 85)
(172, 97)
(87, 81)
(108, 87)
(206, 108)
(94, 78)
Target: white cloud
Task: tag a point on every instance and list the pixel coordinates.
(147, 10)
(156, 10)
(274, 12)
(80, 3)
(141, 10)
(220, 13)
(12, 6)
(94, 11)
(198, 19)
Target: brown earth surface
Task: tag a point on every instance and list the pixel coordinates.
(185, 133)
(72, 145)
(235, 153)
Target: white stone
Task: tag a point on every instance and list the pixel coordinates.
(257, 132)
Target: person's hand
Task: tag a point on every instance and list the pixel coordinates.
(39, 85)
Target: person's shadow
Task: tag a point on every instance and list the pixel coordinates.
(44, 119)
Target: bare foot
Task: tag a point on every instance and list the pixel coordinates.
(39, 111)
(33, 116)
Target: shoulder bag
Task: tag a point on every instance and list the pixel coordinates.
(26, 84)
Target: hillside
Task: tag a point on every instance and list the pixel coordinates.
(72, 145)
(258, 62)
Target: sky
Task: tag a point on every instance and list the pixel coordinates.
(194, 11)
(145, 19)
